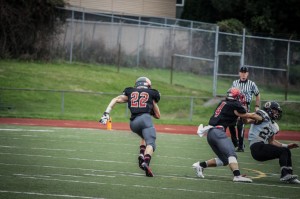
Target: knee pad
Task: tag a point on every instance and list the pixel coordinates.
(153, 145)
(219, 162)
(232, 159)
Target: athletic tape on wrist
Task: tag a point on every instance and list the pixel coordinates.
(108, 109)
(284, 145)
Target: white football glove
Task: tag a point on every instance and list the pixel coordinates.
(104, 118)
(203, 130)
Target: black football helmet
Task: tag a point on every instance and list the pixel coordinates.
(273, 109)
(143, 82)
(233, 93)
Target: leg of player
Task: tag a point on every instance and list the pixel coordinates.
(200, 166)
(141, 155)
(233, 165)
(264, 152)
(147, 159)
(216, 162)
(285, 162)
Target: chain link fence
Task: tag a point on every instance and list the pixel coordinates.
(179, 45)
(172, 44)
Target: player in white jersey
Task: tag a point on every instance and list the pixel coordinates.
(263, 144)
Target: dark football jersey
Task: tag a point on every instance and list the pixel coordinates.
(224, 113)
(140, 100)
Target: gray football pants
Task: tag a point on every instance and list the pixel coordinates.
(220, 144)
(143, 126)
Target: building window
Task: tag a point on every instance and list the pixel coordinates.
(179, 2)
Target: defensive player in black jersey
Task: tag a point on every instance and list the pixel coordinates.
(142, 102)
(225, 114)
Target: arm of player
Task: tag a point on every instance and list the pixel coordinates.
(273, 141)
(156, 112)
(117, 100)
(257, 102)
(292, 145)
(113, 102)
(249, 118)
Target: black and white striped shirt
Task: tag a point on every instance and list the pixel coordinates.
(248, 87)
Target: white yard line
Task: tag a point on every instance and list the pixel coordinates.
(130, 174)
(30, 130)
(46, 194)
(151, 187)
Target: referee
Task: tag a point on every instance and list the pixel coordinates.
(248, 88)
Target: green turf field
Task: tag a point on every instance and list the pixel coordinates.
(44, 162)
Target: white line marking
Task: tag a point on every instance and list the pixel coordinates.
(94, 175)
(47, 194)
(152, 187)
(30, 130)
(139, 174)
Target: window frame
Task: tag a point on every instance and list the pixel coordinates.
(180, 4)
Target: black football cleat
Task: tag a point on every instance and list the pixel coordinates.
(147, 169)
(141, 160)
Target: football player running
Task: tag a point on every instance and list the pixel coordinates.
(263, 144)
(142, 101)
(224, 115)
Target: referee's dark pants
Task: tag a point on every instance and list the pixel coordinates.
(237, 141)
(240, 126)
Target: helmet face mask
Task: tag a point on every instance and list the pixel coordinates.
(274, 110)
(233, 93)
(142, 82)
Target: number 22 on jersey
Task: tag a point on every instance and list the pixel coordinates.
(139, 100)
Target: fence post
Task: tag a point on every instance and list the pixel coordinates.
(191, 108)
(287, 71)
(171, 76)
(72, 34)
(216, 63)
(62, 102)
(138, 43)
(82, 33)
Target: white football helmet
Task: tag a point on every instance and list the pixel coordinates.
(143, 82)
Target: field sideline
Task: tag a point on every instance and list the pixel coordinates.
(52, 161)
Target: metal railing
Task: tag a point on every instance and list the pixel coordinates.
(61, 102)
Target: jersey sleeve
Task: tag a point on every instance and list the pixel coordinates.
(255, 89)
(239, 108)
(264, 115)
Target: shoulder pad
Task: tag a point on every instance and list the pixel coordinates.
(126, 90)
(157, 95)
(264, 115)
(154, 89)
